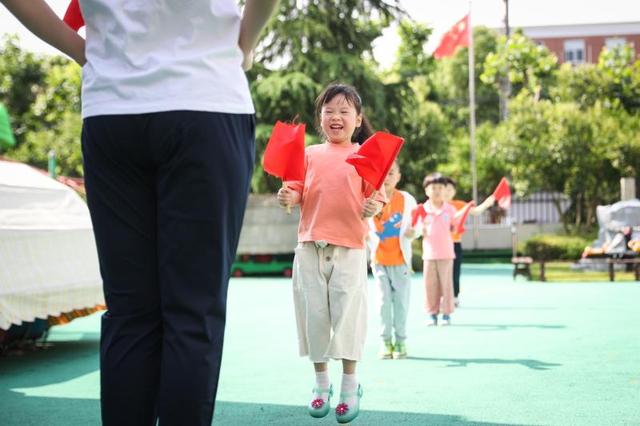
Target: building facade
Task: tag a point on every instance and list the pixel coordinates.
(582, 43)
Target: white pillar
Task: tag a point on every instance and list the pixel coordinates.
(627, 188)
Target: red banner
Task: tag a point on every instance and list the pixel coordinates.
(284, 155)
(503, 194)
(73, 16)
(375, 157)
(457, 36)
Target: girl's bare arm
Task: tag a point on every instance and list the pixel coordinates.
(38, 17)
(478, 210)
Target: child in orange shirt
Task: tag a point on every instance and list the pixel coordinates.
(330, 271)
(390, 236)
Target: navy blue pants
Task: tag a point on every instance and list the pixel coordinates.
(457, 263)
(167, 193)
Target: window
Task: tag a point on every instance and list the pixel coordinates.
(615, 42)
(574, 51)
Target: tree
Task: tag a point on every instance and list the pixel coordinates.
(418, 120)
(531, 66)
(622, 73)
(328, 40)
(63, 139)
(450, 82)
(43, 97)
(21, 78)
(614, 82)
(560, 147)
(309, 44)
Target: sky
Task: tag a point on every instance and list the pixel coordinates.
(438, 14)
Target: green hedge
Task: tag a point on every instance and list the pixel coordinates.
(554, 247)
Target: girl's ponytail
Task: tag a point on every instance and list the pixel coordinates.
(363, 132)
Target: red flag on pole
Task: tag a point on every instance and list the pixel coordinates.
(73, 16)
(375, 157)
(465, 212)
(457, 36)
(284, 155)
(502, 194)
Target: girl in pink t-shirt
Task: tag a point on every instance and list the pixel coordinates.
(330, 264)
(437, 250)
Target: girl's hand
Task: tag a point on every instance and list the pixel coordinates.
(370, 208)
(285, 197)
(410, 233)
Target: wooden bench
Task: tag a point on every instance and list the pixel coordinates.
(635, 262)
(522, 266)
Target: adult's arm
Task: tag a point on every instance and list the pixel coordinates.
(38, 17)
(255, 16)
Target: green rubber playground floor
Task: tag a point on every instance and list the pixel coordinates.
(518, 353)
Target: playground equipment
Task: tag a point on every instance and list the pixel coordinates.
(49, 272)
(6, 134)
(619, 234)
(618, 243)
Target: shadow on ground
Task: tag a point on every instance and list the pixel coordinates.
(533, 364)
(237, 413)
(68, 360)
(36, 367)
(495, 327)
(71, 411)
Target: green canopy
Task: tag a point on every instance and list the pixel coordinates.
(6, 135)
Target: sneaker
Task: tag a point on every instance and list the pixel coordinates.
(399, 350)
(432, 321)
(318, 407)
(456, 301)
(446, 320)
(386, 351)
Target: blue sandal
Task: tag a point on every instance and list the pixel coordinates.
(344, 413)
(319, 408)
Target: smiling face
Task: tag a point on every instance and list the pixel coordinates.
(339, 119)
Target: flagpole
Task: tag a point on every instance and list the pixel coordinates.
(472, 125)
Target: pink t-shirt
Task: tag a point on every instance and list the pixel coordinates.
(332, 197)
(437, 243)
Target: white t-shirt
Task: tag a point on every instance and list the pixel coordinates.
(162, 55)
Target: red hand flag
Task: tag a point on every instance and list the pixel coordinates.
(417, 214)
(465, 212)
(502, 194)
(375, 157)
(284, 155)
(73, 16)
(457, 36)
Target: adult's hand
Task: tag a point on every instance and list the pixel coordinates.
(247, 60)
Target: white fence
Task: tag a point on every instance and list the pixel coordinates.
(267, 229)
(539, 207)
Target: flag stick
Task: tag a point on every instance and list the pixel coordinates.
(284, 186)
(472, 125)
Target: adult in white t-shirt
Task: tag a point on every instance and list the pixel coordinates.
(168, 146)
